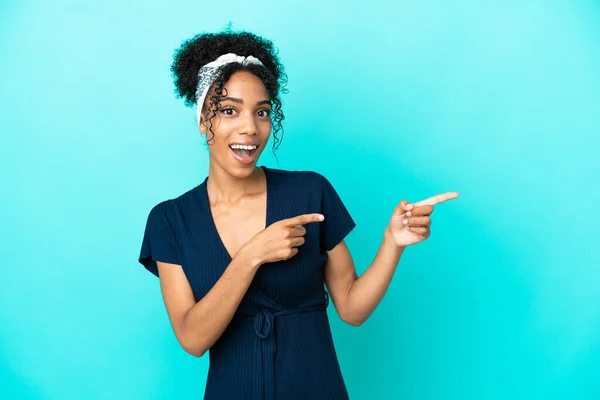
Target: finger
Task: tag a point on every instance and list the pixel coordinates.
(303, 219)
(287, 254)
(421, 211)
(294, 231)
(437, 199)
(403, 208)
(419, 230)
(417, 221)
(298, 241)
(298, 231)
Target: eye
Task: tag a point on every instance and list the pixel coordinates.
(228, 111)
(264, 113)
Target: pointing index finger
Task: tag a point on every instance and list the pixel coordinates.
(304, 219)
(437, 199)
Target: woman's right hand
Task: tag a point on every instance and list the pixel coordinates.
(280, 240)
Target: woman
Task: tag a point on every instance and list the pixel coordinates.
(244, 257)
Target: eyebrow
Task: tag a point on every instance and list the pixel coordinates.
(240, 101)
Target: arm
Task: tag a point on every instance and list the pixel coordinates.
(198, 325)
(355, 298)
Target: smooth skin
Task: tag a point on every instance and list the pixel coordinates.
(237, 195)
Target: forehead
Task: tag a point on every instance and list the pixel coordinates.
(243, 84)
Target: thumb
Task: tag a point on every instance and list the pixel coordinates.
(403, 207)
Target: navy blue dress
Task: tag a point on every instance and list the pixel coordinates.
(279, 343)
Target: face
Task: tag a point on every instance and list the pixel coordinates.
(241, 127)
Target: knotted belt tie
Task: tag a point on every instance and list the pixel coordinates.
(264, 322)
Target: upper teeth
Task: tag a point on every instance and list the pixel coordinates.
(243, 147)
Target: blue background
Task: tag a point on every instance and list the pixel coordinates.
(497, 100)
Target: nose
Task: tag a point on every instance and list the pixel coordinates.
(248, 125)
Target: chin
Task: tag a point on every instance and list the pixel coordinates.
(243, 167)
(239, 167)
(243, 173)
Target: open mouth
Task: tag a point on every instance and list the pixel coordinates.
(243, 153)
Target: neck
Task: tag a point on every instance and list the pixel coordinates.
(224, 187)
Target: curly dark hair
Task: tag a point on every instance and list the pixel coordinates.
(206, 47)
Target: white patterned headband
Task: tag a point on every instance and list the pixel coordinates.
(209, 72)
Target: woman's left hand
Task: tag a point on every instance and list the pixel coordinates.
(411, 223)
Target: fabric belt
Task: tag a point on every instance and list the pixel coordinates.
(264, 321)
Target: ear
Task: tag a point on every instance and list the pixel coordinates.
(202, 125)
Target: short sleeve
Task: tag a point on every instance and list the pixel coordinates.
(158, 243)
(338, 222)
